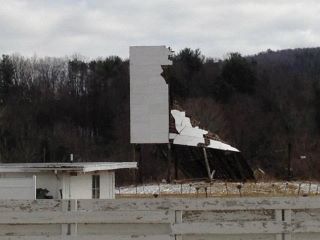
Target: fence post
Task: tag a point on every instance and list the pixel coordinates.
(73, 208)
(284, 216)
(278, 217)
(64, 227)
(34, 180)
(288, 220)
(178, 219)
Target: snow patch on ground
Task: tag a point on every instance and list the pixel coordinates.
(224, 188)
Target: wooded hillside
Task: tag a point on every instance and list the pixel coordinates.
(267, 105)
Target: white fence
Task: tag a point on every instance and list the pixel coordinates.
(162, 219)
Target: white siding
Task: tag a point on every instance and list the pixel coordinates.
(47, 180)
(77, 187)
(72, 187)
(18, 188)
(81, 186)
(107, 185)
(65, 186)
(149, 95)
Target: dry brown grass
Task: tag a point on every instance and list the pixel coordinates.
(251, 189)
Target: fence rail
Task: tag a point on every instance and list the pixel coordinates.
(279, 218)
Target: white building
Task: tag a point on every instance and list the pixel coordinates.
(81, 180)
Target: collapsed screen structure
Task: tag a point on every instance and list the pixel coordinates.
(153, 120)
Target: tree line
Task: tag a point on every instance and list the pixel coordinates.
(267, 105)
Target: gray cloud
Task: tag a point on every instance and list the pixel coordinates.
(103, 28)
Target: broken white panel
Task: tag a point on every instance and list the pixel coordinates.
(149, 95)
(192, 136)
(222, 146)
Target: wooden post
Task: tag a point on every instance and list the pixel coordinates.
(289, 161)
(73, 208)
(64, 227)
(178, 219)
(299, 188)
(207, 163)
(134, 160)
(136, 150)
(169, 157)
(283, 216)
(34, 180)
(140, 168)
(278, 218)
(288, 219)
(176, 163)
(133, 152)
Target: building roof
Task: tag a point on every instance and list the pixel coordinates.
(66, 166)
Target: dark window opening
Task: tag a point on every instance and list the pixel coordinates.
(95, 186)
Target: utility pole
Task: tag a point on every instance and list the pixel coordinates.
(137, 150)
(289, 173)
(169, 159)
(176, 163)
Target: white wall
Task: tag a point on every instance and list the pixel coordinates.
(107, 185)
(47, 180)
(18, 188)
(80, 187)
(149, 95)
(72, 187)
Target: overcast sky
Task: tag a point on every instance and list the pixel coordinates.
(108, 27)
